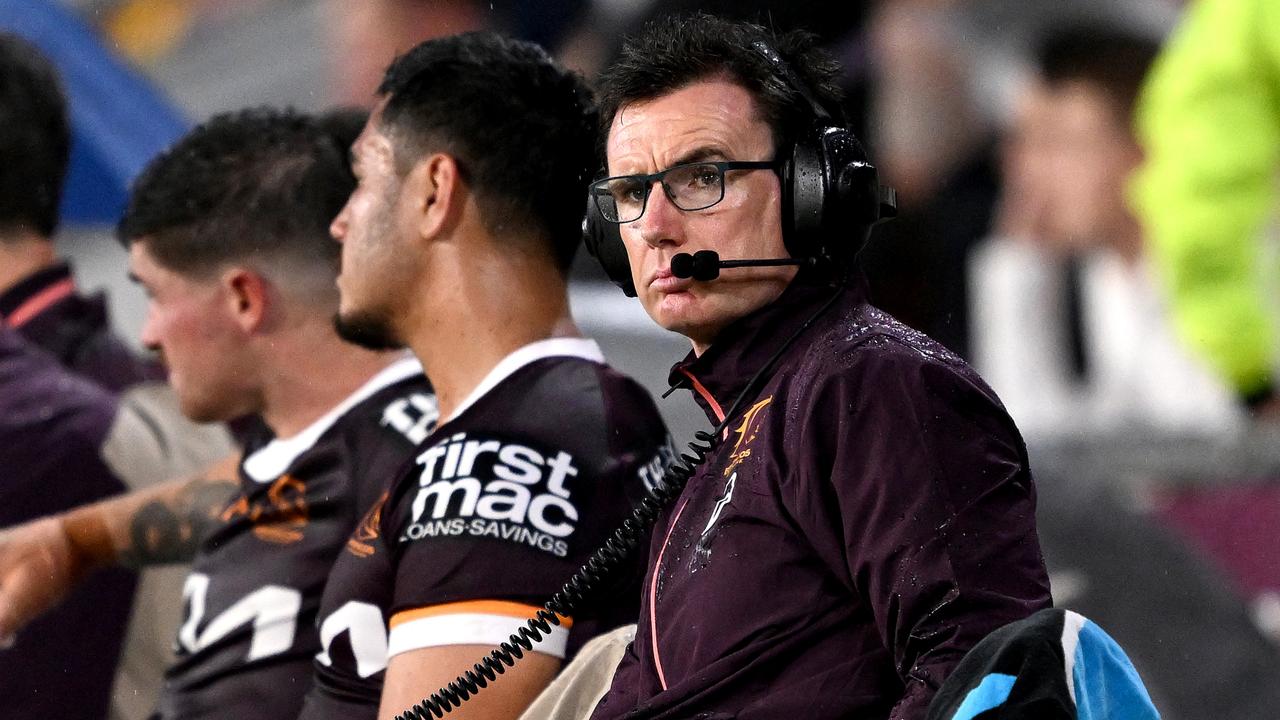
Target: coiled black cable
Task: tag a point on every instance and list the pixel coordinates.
(604, 561)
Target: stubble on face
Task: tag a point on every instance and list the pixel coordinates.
(366, 330)
(369, 263)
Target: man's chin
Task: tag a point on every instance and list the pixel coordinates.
(200, 410)
(366, 331)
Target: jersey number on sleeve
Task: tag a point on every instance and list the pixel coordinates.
(272, 609)
(366, 633)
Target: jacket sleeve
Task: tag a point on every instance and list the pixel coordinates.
(914, 470)
(1209, 121)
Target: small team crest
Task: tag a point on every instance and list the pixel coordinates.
(747, 433)
(280, 517)
(360, 543)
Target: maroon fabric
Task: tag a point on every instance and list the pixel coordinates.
(867, 520)
(52, 425)
(1237, 526)
(77, 331)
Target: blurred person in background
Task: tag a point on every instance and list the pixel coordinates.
(58, 336)
(53, 425)
(1068, 325)
(1209, 199)
(943, 79)
(1209, 119)
(228, 234)
(38, 295)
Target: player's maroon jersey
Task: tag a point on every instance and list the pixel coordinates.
(248, 637)
(503, 502)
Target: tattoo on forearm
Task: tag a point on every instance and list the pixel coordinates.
(170, 530)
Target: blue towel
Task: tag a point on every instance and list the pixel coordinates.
(1054, 665)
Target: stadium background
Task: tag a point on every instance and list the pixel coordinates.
(1171, 540)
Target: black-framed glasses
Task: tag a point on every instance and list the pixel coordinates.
(691, 186)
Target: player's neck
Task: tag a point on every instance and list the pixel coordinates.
(22, 254)
(309, 372)
(492, 305)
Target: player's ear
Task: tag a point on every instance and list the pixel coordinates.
(436, 184)
(246, 296)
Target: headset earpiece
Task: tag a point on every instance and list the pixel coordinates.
(804, 193)
(604, 241)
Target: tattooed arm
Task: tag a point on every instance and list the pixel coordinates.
(41, 561)
(166, 523)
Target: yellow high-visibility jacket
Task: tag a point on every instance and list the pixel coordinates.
(1209, 119)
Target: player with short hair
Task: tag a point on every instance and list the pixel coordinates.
(868, 513)
(228, 233)
(457, 242)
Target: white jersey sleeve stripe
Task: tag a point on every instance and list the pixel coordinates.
(468, 629)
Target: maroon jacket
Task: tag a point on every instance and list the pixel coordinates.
(52, 426)
(868, 518)
(61, 368)
(48, 312)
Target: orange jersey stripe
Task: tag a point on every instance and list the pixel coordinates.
(476, 607)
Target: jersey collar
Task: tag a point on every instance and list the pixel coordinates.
(271, 460)
(584, 348)
(36, 293)
(720, 374)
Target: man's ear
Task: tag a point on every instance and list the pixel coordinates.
(247, 298)
(436, 181)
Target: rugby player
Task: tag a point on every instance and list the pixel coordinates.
(869, 515)
(457, 242)
(228, 233)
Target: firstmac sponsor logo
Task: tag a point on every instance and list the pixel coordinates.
(483, 487)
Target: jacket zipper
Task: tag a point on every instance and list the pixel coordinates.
(699, 388)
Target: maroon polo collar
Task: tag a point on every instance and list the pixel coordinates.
(36, 293)
(719, 375)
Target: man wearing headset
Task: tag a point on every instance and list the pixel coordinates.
(867, 513)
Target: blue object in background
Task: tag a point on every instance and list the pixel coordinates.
(119, 120)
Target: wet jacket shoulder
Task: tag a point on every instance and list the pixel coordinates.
(910, 476)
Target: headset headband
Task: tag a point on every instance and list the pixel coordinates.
(784, 72)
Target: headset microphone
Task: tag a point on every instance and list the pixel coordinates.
(705, 265)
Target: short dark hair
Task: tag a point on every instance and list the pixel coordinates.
(1114, 61)
(35, 140)
(244, 185)
(673, 52)
(520, 126)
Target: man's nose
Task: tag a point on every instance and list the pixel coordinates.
(661, 221)
(149, 337)
(338, 228)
